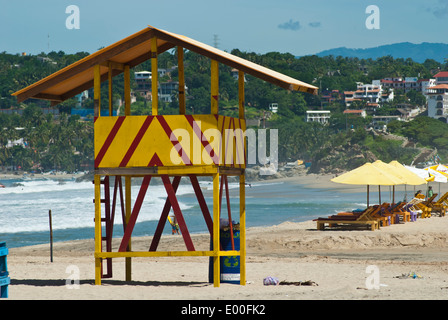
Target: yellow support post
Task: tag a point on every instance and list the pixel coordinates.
(96, 90)
(241, 94)
(98, 234)
(180, 69)
(109, 77)
(127, 91)
(154, 77)
(216, 267)
(214, 86)
(128, 209)
(242, 230)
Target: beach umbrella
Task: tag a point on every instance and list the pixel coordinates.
(440, 168)
(385, 167)
(408, 176)
(438, 176)
(369, 175)
(401, 173)
(422, 173)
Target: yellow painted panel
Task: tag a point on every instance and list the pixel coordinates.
(122, 141)
(102, 127)
(156, 140)
(201, 137)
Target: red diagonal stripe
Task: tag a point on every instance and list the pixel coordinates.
(220, 143)
(136, 141)
(108, 141)
(203, 140)
(155, 161)
(134, 215)
(168, 132)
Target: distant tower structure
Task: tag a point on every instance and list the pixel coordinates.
(215, 41)
(48, 42)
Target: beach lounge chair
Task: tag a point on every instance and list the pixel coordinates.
(438, 206)
(354, 218)
(386, 215)
(423, 205)
(413, 209)
(429, 200)
(444, 199)
(400, 212)
(379, 213)
(426, 211)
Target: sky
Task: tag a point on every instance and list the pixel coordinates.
(288, 26)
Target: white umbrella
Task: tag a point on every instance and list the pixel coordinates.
(438, 177)
(442, 168)
(422, 173)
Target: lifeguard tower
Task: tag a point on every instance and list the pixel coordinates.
(170, 147)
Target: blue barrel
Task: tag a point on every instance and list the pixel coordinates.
(229, 265)
(4, 274)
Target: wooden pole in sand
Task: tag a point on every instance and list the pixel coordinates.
(51, 237)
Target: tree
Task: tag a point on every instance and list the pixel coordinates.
(416, 98)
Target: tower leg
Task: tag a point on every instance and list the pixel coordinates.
(216, 267)
(98, 271)
(128, 209)
(242, 230)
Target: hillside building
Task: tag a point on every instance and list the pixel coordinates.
(438, 102)
(372, 94)
(441, 78)
(408, 83)
(321, 116)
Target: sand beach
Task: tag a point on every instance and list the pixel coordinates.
(408, 260)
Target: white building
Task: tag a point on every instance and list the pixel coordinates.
(321, 116)
(273, 107)
(408, 83)
(411, 83)
(441, 77)
(143, 81)
(373, 94)
(438, 102)
(81, 97)
(425, 85)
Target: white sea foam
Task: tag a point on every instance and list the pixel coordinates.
(25, 208)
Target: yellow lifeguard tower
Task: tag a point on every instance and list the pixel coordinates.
(165, 146)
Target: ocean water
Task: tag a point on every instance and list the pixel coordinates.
(24, 207)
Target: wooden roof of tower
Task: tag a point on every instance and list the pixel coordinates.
(134, 50)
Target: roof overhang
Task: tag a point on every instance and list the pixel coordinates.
(134, 50)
